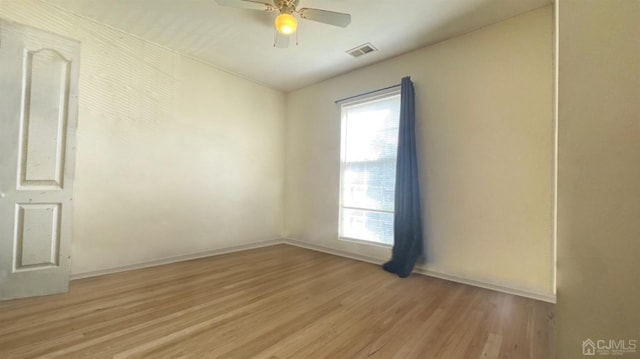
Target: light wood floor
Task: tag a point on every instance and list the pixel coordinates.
(275, 302)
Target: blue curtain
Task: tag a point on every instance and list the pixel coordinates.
(407, 221)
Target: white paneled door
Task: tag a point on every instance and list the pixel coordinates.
(38, 116)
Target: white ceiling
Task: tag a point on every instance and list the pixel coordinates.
(241, 41)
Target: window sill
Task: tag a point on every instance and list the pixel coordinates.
(362, 241)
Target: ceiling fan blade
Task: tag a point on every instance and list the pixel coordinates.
(281, 41)
(247, 4)
(326, 17)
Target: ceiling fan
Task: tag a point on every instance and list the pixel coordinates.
(285, 23)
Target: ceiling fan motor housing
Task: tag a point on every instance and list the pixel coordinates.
(286, 6)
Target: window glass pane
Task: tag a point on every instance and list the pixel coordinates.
(372, 130)
(369, 184)
(367, 225)
(370, 143)
(369, 168)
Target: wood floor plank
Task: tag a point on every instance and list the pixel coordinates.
(275, 302)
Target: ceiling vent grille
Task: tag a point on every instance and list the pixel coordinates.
(362, 50)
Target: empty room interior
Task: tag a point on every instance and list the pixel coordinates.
(319, 179)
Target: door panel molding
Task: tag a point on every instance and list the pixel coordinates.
(37, 236)
(42, 162)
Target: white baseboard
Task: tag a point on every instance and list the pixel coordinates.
(186, 257)
(491, 286)
(428, 272)
(337, 252)
(303, 244)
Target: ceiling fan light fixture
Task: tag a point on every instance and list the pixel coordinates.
(286, 24)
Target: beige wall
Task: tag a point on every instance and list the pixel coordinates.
(599, 173)
(485, 130)
(174, 157)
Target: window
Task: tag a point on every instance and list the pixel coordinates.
(368, 167)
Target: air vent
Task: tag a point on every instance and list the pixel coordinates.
(362, 50)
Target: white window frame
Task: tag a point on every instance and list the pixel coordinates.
(378, 95)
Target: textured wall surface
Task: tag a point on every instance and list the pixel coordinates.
(174, 157)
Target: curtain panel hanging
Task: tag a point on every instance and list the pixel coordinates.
(407, 245)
